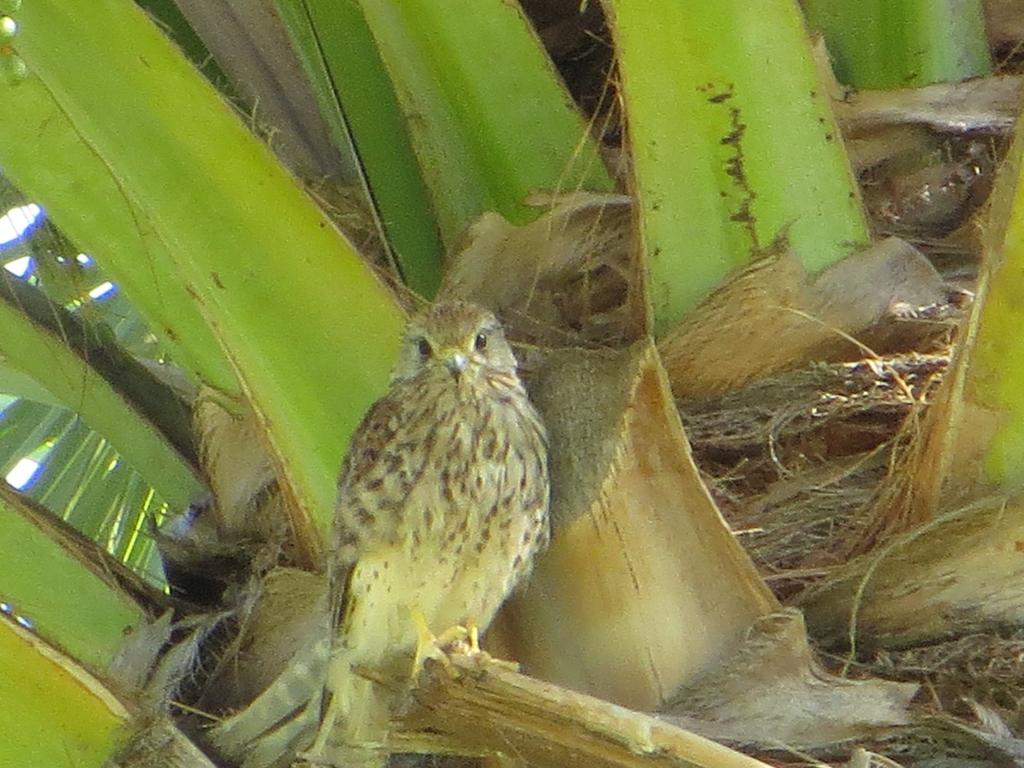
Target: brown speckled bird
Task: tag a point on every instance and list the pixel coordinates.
(442, 504)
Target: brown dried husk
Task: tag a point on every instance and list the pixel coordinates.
(567, 278)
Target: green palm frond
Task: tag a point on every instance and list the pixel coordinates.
(46, 450)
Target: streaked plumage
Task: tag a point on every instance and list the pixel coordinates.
(442, 504)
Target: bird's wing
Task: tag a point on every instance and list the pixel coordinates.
(375, 480)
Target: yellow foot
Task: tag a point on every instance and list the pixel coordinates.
(427, 645)
(465, 639)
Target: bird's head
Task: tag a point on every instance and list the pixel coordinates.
(458, 339)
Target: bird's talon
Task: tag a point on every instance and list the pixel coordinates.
(454, 637)
(460, 639)
(427, 645)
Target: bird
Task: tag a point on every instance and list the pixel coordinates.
(442, 506)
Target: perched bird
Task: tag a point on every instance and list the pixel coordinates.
(442, 505)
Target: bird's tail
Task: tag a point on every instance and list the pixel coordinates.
(355, 726)
(283, 719)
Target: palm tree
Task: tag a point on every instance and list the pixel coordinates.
(262, 190)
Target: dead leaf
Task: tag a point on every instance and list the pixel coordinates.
(565, 278)
(643, 586)
(773, 315)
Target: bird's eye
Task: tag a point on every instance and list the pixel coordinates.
(423, 346)
(480, 343)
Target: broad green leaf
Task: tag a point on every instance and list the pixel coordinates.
(84, 331)
(169, 16)
(46, 156)
(114, 509)
(268, 85)
(902, 43)
(992, 363)
(55, 713)
(489, 118)
(86, 615)
(74, 481)
(308, 329)
(76, 456)
(45, 357)
(16, 383)
(733, 142)
(358, 103)
(24, 427)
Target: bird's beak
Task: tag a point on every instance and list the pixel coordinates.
(455, 362)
